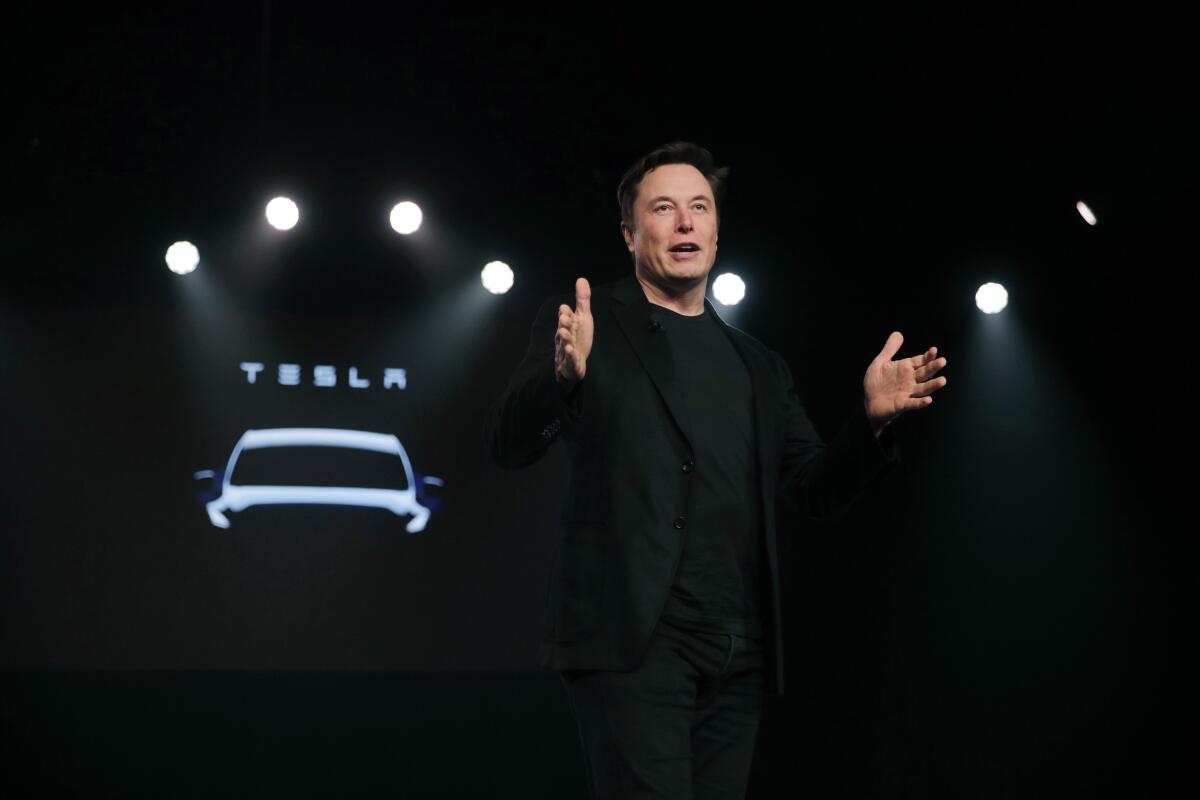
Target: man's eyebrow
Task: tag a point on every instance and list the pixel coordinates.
(664, 197)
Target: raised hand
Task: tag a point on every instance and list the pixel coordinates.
(892, 387)
(573, 339)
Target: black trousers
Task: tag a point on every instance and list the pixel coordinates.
(682, 725)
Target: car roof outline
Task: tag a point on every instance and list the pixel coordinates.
(257, 438)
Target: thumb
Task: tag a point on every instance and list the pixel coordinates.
(583, 297)
(891, 345)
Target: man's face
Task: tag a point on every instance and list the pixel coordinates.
(674, 239)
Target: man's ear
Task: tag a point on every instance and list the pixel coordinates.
(628, 236)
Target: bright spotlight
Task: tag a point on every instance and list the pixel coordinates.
(406, 217)
(182, 257)
(729, 289)
(496, 277)
(991, 298)
(1085, 212)
(282, 214)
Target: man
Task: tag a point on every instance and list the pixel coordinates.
(663, 605)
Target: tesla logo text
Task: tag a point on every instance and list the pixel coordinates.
(324, 375)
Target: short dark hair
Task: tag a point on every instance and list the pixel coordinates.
(670, 153)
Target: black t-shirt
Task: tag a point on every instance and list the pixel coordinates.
(720, 582)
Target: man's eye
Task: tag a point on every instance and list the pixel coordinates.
(660, 208)
(701, 206)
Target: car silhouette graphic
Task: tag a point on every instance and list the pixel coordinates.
(229, 492)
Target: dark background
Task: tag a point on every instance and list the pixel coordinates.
(1010, 614)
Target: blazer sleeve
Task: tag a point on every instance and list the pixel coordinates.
(821, 480)
(533, 409)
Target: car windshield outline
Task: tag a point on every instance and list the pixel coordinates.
(230, 496)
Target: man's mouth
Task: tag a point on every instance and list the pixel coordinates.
(687, 247)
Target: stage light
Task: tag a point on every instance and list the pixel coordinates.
(496, 277)
(729, 289)
(282, 214)
(406, 217)
(991, 298)
(1085, 212)
(182, 257)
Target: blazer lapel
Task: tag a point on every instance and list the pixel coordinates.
(635, 314)
(764, 390)
(766, 416)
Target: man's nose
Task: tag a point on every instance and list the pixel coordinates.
(684, 223)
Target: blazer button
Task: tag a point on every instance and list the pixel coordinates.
(688, 466)
(680, 521)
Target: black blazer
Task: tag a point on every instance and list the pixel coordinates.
(629, 446)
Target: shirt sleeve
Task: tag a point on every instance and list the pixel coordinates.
(534, 409)
(823, 480)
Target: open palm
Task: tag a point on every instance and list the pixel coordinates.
(892, 387)
(573, 339)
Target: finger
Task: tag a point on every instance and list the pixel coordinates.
(929, 387)
(923, 359)
(583, 297)
(929, 370)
